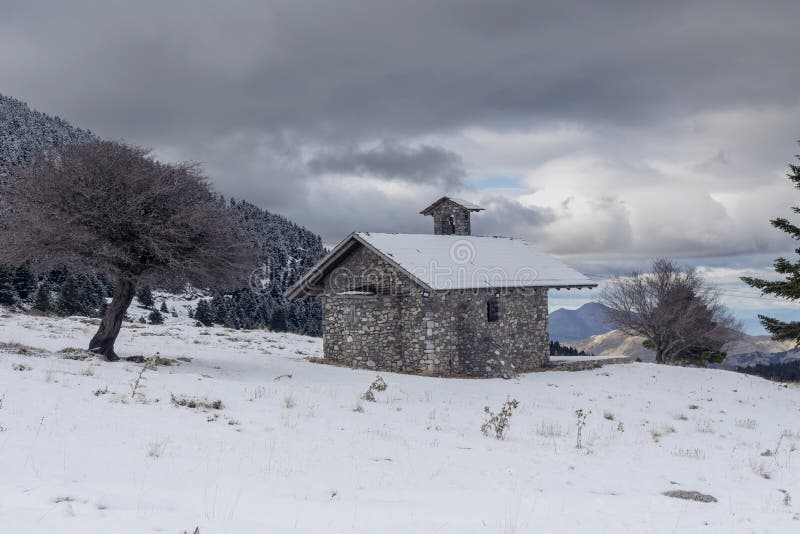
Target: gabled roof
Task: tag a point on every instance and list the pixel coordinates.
(463, 203)
(447, 262)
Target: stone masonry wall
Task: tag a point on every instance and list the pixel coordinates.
(377, 317)
(461, 219)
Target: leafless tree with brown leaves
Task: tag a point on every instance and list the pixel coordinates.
(673, 308)
(110, 207)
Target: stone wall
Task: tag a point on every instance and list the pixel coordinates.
(441, 219)
(377, 317)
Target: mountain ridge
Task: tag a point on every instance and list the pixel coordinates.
(575, 325)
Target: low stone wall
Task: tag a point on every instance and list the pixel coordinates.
(583, 365)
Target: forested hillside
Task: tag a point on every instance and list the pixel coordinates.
(287, 249)
(25, 132)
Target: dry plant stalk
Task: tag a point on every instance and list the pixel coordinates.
(149, 363)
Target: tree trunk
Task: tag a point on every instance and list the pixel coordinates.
(659, 356)
(103, 340)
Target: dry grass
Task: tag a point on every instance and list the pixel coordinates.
(547, 429)
(694, 454)
(156, 449)
(760, 468)
(659, 432)
(196, 403)
(749, 424)
(705, 426)
(608, 415)
(289, 401)
(680, 417)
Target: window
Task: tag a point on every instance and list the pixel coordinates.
(451, 221)
(492, 311)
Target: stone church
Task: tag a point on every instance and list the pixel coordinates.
(445, 304)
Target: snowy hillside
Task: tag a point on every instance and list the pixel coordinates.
(25, 132)
(292, 448)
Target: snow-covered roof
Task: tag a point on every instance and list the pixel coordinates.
(467, 262)
(447, 262)
(463, 203)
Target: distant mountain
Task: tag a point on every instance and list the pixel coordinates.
(287, 249)
(573, 325)
(744, 352)
(25, 132)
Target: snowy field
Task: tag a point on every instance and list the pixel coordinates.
(294, 449)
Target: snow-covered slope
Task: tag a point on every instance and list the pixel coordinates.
(615, 343)
(294, 449)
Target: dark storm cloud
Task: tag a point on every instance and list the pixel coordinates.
(355, 69)
(422, 164)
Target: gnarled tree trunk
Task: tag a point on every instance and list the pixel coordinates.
(103, 340)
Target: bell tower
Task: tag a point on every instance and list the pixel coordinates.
(451, 216)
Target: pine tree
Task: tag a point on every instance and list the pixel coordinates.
(278, 322)
(69, 298)
(8, 296)
(145, 296)
(24, 282)
(41, 299)
(789, 288)
(155, 317)
(203, 314)
(164, 308)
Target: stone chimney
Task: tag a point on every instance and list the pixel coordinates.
(451, 216)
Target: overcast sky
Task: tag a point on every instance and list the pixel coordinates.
(607, 134)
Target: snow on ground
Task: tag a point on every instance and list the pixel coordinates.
(297, 454)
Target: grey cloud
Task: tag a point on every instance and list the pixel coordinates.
(505, 216)
(422, 164)
(365, 70)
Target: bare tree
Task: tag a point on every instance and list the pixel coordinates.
(673, 308)
(110, 207)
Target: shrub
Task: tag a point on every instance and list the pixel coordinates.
(377, 385)
(498, 423)
(155, 317)
(581, 422)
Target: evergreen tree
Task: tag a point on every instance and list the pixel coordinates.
(24, 282)
(145, 296)
(8, 296)
(69, 298)
(203, 314)
(41, 299)
(278, 322)
(164, 308)
(219, 310)
(155, 317)
(789, 288)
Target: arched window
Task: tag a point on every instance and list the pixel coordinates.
(492, 310)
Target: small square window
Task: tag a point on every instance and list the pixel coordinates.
(492, 311)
